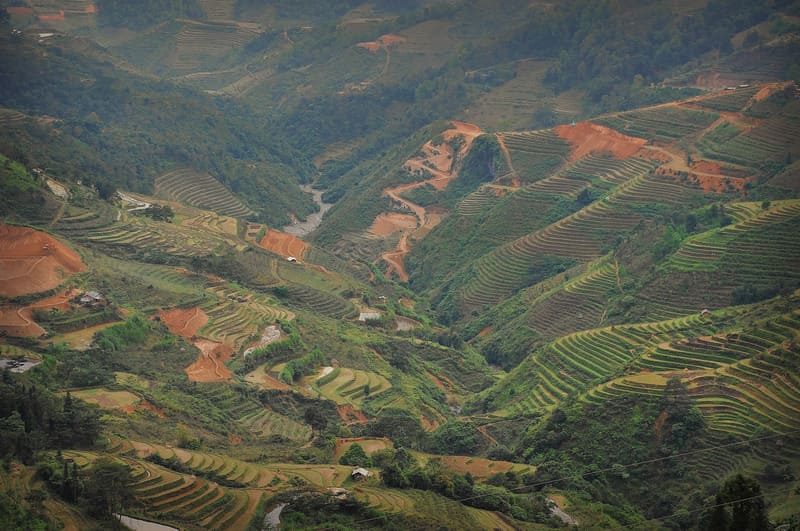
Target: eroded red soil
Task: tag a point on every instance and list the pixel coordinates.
(32, 261)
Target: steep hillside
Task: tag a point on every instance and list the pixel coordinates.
(399, 265)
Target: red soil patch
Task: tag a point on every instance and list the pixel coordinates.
(184, 322)
(210, 366)
(234, 439)
(770, 89)
(283, 244)
(372, 46)
(439, 162)
(32, 261)
(406, 302)
(15, 322)
(587, 137)
(384, 41)
(386, 224)
(705, 166)
(351, 415)
(18, 321)
(484, 331)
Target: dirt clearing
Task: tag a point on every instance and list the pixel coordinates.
(587, 138)
(184, 322)
(210, 366)
(283, 244)
(32, 261)
(386, 224)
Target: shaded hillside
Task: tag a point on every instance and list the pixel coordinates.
(128, 129)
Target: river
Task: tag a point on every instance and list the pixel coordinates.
(302, 228)
(142, 525)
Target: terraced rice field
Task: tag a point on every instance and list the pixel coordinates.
(771, 140)
(197, 42)
(580, 236)
(757, 248)
(534, 153)
(200, 190)
(662, 124)
(740, 381)
(236, 314)
(730, 100)
(265, 423)
(321, 302)
(10, 117)
(574, 362)
(579, 304)
(349, 386)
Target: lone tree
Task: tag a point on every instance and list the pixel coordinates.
(739, 506)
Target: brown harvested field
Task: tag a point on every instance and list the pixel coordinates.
(184, 322)
(210, 366)
(386, 224)
(123, 400)
(479, 467)
(369, 444)
(587, 138)
(406, 302)
(283, 244)
(261, 377)
(32, 261)
(80, 339)
(384, 41)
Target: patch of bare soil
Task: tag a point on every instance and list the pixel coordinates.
(184, 322)
(441, 163)
(32, 261)
(389, 223)
(351, 415)
(283, 244)
(588, 137)
(18, 321)
(210, 366)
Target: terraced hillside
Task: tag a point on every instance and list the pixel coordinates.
(200, 190)
(237, 315)
(751, 364)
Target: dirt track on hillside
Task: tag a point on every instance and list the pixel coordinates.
(32, 261)
(210, 366)
(441, 163)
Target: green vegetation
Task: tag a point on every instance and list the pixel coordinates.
(603, 323)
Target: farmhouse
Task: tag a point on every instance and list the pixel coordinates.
(360, 474)
(90, 298)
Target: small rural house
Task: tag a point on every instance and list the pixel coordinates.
(360, 474)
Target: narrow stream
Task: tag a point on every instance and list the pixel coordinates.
(142, 525)
(272, 520)
(302, 228)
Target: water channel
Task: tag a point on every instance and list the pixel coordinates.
(302, 228)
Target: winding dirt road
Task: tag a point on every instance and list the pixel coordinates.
(442, 163)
